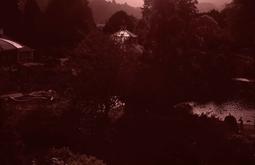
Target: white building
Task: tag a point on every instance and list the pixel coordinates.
(123, 36)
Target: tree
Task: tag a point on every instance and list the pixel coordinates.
(62, 22)
(240, 21)
(147, 9)
(208, 32)
(218, 16)
(120, 20)
(163, 71)
(67, 22)
(169, 25)
(10, 17)
(169, 42)
(96, 63)
(32, 17)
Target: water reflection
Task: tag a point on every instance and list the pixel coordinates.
(237, 109)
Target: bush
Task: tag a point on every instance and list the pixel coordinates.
(62, 156)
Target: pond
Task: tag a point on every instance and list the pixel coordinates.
(235, 108)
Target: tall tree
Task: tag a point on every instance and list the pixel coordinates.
(169, 43)
(240, 20)
(32, 17)
(169, 23)
(147, 8)
(120, 20)
(68, 21)
(10, 17)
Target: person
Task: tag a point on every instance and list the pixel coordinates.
(241, 127)
(231, 123)
(254, 121)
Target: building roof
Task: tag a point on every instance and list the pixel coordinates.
(125, 33)
(8, 45)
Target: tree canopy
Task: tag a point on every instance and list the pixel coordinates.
(120, 20)
(240, 21)
(10, 17)
(63, 22)
(169, 23)
(68, 20)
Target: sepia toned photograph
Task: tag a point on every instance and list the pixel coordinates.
(127, 82)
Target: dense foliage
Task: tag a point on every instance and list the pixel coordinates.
(120, 21)
(119, 102)
(61, 23)
(240, 21)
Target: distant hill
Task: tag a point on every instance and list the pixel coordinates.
(206, 6)
(103, 10)
(43, 4)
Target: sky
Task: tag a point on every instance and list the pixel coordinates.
(139, 3)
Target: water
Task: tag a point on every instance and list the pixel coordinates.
(236, 109)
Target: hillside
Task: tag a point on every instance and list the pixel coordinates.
(103, 10)
(205, 7)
